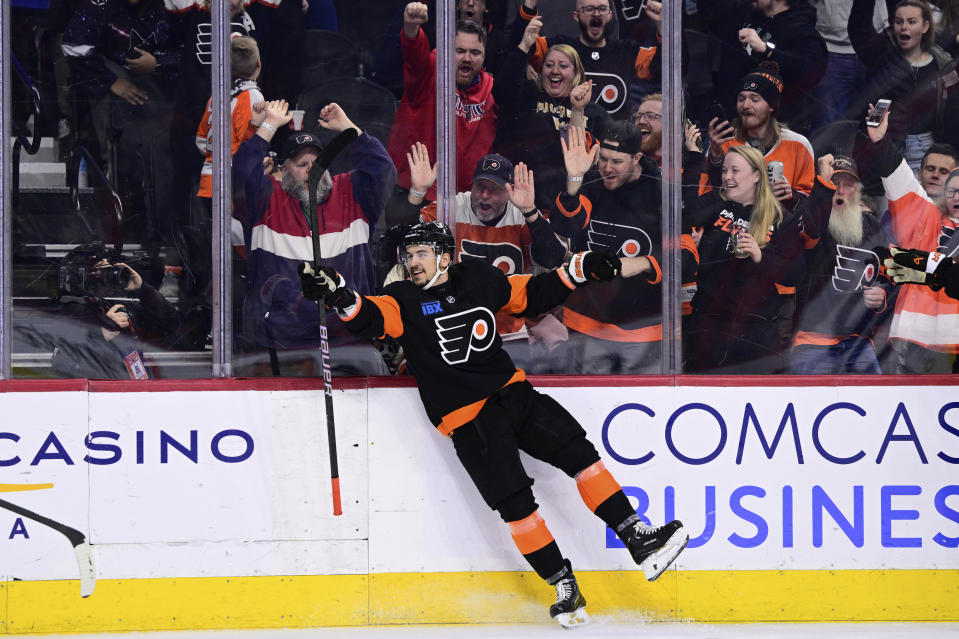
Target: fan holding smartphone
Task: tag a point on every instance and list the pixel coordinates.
(877, 112)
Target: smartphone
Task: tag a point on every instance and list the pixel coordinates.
(775, 170)
(715, 110)
(875, 116)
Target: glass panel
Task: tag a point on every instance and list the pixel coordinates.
(342, 70)
(796, 88)
(581, 81)
(100, 225)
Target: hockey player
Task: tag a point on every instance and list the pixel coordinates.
(443, 316)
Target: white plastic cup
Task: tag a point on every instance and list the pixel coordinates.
(297, 119)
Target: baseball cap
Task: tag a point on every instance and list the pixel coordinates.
(495, 168)
(297, 141)
(845, 164)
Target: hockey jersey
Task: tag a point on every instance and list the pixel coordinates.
(928, 318)
(796, 154)
(244, 96)
(626, 221)
(448, 332)
(829, 297)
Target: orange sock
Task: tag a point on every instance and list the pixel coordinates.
(596, 485)
(530, 534)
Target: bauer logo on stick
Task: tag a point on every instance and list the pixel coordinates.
(464, 333)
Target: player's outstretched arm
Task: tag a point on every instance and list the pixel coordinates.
(534, 295)
(365, 316)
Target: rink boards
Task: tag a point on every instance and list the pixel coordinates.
(208, 504)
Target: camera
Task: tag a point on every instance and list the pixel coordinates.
(79, 276)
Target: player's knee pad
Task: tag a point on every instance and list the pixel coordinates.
(575, 456)
(517, 506)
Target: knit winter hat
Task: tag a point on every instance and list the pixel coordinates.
(766, 82)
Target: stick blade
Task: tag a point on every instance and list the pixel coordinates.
(88, 575)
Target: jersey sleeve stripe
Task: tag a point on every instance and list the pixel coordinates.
(517, 298)
(392, 320)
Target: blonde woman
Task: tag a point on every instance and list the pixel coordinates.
(534, 113)
(745, 249)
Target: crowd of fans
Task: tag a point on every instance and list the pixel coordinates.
(559, 143)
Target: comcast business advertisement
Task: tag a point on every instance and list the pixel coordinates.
(178, 484)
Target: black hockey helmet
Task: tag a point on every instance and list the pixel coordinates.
(435, 234)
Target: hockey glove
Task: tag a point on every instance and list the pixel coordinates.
(594, 265)
(912, 266)
(325, 285)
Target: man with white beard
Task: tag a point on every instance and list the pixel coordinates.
(840, 298)
(277, 236)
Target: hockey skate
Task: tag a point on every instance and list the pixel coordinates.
(655, 548)
(570, 607)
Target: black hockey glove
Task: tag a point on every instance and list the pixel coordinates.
(326, 285)
(600, 265)
(912, 266)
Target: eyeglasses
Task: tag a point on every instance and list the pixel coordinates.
(590, 10)
(647, 115)
(949, 192)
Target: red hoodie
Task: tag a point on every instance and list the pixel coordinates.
(416, 115)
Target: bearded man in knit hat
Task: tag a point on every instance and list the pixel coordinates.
(756, 125)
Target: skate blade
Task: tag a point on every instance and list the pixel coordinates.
(572, 619)
(654, 565)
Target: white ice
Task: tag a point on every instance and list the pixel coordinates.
(598, 628)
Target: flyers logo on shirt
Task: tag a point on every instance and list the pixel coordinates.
(625, 241)
(855, 268)
(464, 333)
(503, 255)
(609, 91)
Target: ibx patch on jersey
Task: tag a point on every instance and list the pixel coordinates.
(855, 268)
(431, 308)
(464, 333)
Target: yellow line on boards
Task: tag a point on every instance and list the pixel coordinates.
(475, 597)
(15, 488)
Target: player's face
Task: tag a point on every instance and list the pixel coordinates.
(488, 199)
(739, 179)
(474, 10)
(753, 109)
(934, 171)
(617, 168)
(421, 263)
(592, 17)
(470, 55)
(558, 74)
(300, 164)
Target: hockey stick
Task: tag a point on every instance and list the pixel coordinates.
(88, 578)
(320, 166)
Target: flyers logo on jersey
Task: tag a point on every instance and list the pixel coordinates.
(464, 333)
(625, 241)
(503, 255)
(609, 90)
(855, 268)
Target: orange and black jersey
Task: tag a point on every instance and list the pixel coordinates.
(448, 332)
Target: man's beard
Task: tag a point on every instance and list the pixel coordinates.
(299, 191)
(652, 143)
(584, 31)
(845, 223)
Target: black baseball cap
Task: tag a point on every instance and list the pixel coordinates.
(297, 141)
(495, 168)
(845, 164)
